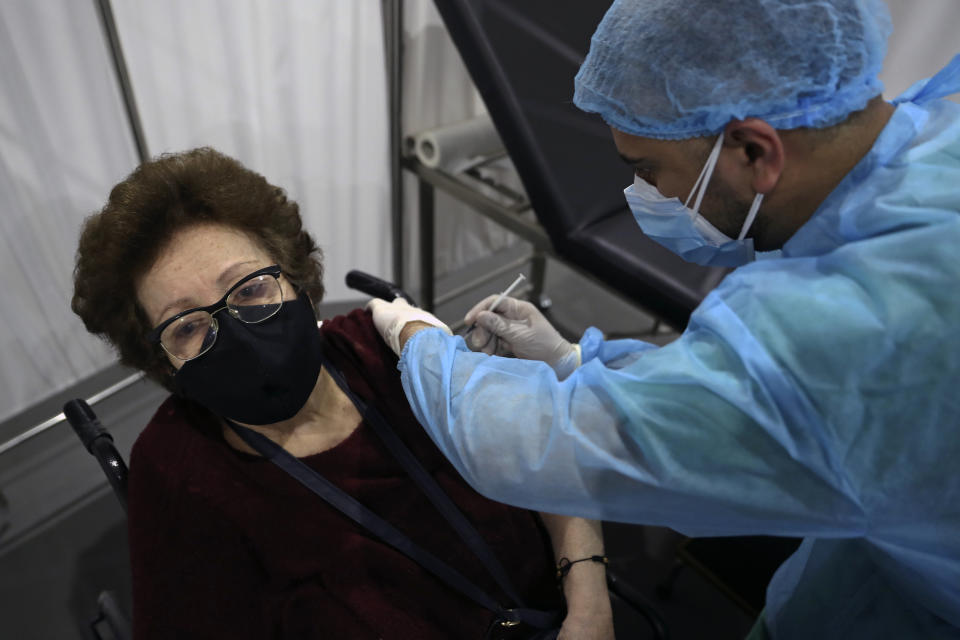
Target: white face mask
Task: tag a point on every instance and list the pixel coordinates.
(685, 231)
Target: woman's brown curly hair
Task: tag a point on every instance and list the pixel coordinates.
(119, 244)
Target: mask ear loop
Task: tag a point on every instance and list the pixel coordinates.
(751, 215)
(705, 174)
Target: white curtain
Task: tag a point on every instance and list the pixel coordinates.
(64, 142)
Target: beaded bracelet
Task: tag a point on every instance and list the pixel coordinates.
(563, 567)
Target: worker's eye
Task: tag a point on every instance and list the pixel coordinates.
(646, 175)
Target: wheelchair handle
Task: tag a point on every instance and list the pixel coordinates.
(374, 286)
(99, 443)
(85, 422)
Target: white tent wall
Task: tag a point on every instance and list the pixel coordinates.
(64, 141)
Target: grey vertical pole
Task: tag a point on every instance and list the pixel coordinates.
(538, 275)
(392, 12)
(426, 244)
(123, 77)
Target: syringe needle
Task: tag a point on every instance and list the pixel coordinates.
(506, 292)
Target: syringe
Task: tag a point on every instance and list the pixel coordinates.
(506, 292)
(497, 301)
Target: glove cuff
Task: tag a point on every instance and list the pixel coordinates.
(392, 334)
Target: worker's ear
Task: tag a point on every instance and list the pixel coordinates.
(759, 156)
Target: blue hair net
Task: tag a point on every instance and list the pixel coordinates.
(675, 69)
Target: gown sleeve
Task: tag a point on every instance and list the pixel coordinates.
(707, 435)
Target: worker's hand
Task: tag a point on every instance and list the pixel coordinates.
(391, 317)
(517, 327)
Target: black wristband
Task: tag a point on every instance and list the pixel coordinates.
(563, 567)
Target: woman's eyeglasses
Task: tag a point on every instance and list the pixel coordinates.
(191, 333)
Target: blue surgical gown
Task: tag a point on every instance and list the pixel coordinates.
(815, 394)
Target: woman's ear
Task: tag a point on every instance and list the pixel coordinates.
(760, 152)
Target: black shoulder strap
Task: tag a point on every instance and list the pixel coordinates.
(387, 532)
(429, 486)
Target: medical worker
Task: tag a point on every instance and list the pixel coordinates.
(816, 390)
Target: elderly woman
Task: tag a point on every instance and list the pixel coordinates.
(199, 272)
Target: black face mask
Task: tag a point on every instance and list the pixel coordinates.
(257, 373)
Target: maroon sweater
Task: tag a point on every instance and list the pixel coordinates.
(226, 545)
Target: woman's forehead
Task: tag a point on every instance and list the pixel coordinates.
(198, 262)
(205, 249)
